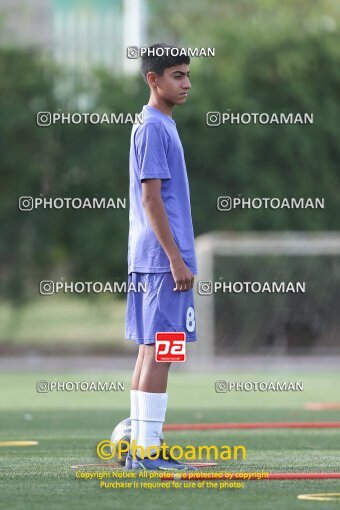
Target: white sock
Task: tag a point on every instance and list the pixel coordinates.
(151, 415)
(134, 416)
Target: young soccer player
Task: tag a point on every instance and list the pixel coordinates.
(161, 251)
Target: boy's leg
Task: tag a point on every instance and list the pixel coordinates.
(156, 310)
(152, 399)
(138, 368)
(154, 375)
(152, 402)
(148, 398)
(134, 396)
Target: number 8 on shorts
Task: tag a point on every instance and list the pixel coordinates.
(190, 319)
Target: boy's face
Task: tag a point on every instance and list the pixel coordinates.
(174, 85)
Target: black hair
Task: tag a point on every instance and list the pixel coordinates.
(161, 61)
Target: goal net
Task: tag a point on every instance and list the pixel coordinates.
(267, 293)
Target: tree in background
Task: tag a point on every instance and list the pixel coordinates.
(270, 57)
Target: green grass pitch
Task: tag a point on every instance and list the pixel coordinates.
(68, 425)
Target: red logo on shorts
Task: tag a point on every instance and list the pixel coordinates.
(170, 346)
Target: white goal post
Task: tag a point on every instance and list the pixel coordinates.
(235, 244)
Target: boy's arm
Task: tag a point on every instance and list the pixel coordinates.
(155, 210)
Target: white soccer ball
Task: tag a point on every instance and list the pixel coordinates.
(122, 432)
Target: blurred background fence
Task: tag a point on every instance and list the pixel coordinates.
(70, 56)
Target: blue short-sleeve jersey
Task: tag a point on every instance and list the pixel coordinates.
(156, 152)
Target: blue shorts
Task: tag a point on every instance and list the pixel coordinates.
(159, 308)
